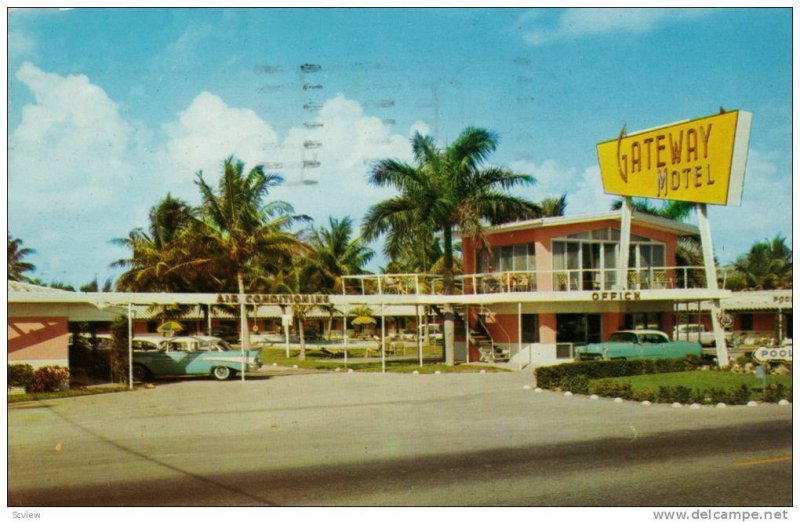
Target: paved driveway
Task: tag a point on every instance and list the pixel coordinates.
(303, 439)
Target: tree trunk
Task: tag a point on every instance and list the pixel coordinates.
(301, 325)
(245, 331)
(449, 287)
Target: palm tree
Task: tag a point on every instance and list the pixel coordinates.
(675, 210)
(337, 253)
(766, 266)
(16, 266)
(446, 189)
(553, 207)
(162, 258)
(241, 226)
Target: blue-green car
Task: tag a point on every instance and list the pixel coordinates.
(638, 344)
(193, 356)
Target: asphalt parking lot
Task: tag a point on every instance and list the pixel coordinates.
(270, 440)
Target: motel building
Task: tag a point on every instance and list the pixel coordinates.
(531, 291)
(535, 291)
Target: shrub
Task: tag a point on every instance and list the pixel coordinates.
(552, 376)
(575, 383)
(607, 388)
(776, 392)
(50, 379)
(680, 394)
(20, 375)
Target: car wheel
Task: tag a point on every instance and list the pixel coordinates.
(140, 373)
(222, 373)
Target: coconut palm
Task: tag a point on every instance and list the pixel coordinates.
(766, 266)
(553, 207)
(240, 225)
(16, 265)
(337, 252)
(161, 259)
(675, 210)
(446, 189)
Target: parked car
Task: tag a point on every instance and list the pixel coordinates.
(697, 332)
(638, 344)
(192, 355)
(409, 335)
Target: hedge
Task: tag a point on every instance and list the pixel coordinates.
(739, 395)
(578, 374)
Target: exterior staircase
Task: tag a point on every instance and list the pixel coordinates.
(479, 336)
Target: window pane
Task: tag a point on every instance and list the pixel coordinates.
(520, 258)
(658, 255)
(506, 254)
(558, 255)
(531, 256)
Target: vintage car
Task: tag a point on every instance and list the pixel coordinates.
(697, 332)
(638, 344)
(192, 356)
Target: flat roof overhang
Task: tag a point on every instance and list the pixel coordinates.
(108, 299)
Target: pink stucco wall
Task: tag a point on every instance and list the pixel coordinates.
(35, 339)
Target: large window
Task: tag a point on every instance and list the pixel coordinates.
(510, 258)
(588, 260)
(578, 329)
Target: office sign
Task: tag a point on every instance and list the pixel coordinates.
(701, 161)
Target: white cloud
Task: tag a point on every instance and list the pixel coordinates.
(766, 209)
(206, 133)
(336, 152)
(72, 165)
(584, 189)
(20, 45)
(578, 22)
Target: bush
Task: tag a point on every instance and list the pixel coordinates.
(776, 392)
(20, 375)
(552, 376)
(50, 379)
(606, 388)
(575, 384)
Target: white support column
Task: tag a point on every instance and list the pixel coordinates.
(466, 329)
(209, 320)
(711, 283)
(419, 334)
(383, 337)
(130, 346)
(519, 333)
(245, 334)
(624, 242)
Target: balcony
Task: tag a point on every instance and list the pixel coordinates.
(574, 280)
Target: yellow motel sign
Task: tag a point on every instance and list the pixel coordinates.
(701, 161)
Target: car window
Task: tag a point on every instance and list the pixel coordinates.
(622, 337)
(652, 339)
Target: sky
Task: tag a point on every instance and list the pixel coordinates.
(111, 109)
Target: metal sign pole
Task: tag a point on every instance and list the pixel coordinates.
(130, 346)
(624, 242)
(711, 283)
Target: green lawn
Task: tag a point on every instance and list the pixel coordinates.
(74, 392)
(698, 380)
(318, 360)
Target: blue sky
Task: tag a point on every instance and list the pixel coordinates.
(110, 109)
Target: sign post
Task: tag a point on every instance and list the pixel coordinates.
(701, 161)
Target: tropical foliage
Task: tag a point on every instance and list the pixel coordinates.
(766, 266)
(445, 189)
(17, 266)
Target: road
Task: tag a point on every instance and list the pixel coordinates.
(392, 440)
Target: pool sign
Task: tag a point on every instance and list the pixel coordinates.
(700, 161)
(763, 354)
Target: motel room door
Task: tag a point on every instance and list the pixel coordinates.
(579, 329)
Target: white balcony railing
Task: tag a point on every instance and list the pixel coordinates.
(573, 280)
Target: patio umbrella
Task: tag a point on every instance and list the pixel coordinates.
(364, 319)
(170, 327)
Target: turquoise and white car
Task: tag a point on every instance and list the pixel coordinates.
(193, 356)
(638, 344)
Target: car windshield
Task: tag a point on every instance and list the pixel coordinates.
(622, 337)
(213, 346)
